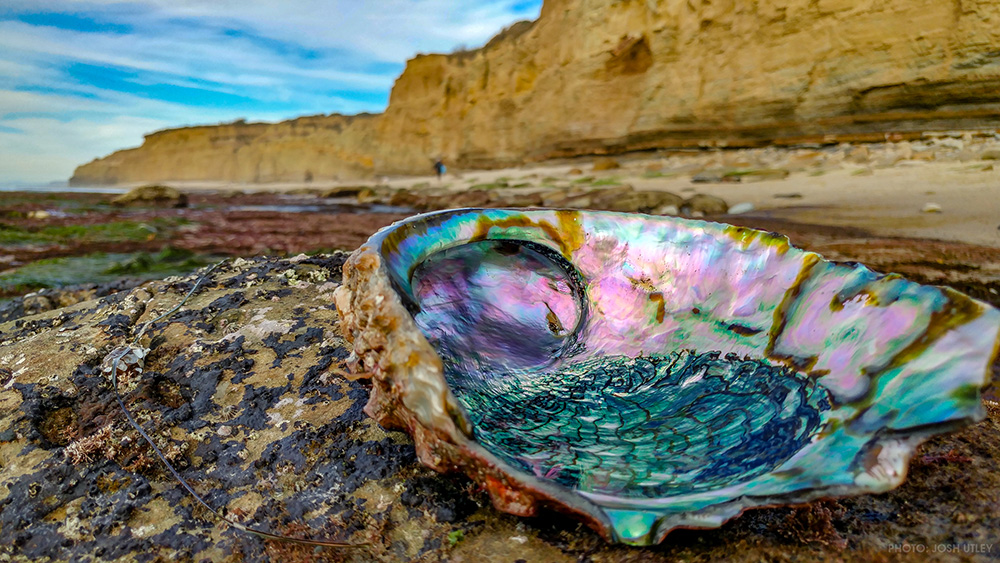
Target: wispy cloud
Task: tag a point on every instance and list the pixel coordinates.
(79, 79)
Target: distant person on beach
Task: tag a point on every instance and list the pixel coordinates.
(439, 168)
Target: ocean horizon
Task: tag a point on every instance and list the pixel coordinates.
(58, 186)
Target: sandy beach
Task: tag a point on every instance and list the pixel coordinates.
(896, 201)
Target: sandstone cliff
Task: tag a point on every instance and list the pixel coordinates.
(602, 76)
(321, 147)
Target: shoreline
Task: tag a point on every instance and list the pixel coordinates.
(931, 211)
(951, 200)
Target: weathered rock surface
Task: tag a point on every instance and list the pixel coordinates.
(243, 390)
(300, 150)
(152, 195)
(622, 198)
(704, 204)
(605, 76)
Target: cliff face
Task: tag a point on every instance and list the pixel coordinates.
(300, 150)
(597, 76)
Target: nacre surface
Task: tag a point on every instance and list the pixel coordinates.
(648, 373)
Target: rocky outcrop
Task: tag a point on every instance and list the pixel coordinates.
(301, 150)
(152, 195)
(607, 76)
(244, 391)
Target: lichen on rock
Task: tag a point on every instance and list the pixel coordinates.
(243, 388)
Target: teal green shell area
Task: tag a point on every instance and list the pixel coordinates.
(242, 390)
(860, 366)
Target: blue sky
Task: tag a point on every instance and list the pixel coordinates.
(81, 79)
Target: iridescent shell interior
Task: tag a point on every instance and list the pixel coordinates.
(650, 373)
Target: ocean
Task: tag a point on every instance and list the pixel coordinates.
(51, 187)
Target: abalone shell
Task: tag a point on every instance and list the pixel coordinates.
(650, 373)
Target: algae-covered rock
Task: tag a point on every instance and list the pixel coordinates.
(243, 389)
(703, 204)
(152, 195)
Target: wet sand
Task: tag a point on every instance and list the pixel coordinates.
(871, 209)
(887, 201)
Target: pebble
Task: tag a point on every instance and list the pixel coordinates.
(931, 208)
(744, 207)
(887, 161)
(950, 143)
(859, 155)
(707, 178)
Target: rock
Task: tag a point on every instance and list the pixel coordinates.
(990, 154)
(154, 195)
(966, 155)
(35, 303)
(886, 160)
(801, 161)
(761, 175)
(712, 177)
(367, 195)
(931, 208)
(555, 197)
(39, 214)
(471, 198)
(739, 175)
(738, 161)
(666, 210)
(305, 192)
(626, 199)
(343, 191)
(859, 155)
(497, 184)
(579, 201)
(700, 205)
(532, 199)
(406, 198)
(424, 199)
(607, 199)
(575, 197)
(740, 208)
(376, 194)
(606, 164)
(575, 172)
(245, 390)
(904, 150)
(956, 144)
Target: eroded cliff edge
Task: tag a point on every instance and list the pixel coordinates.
(605, 76)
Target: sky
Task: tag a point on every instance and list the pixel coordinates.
(81, 79)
